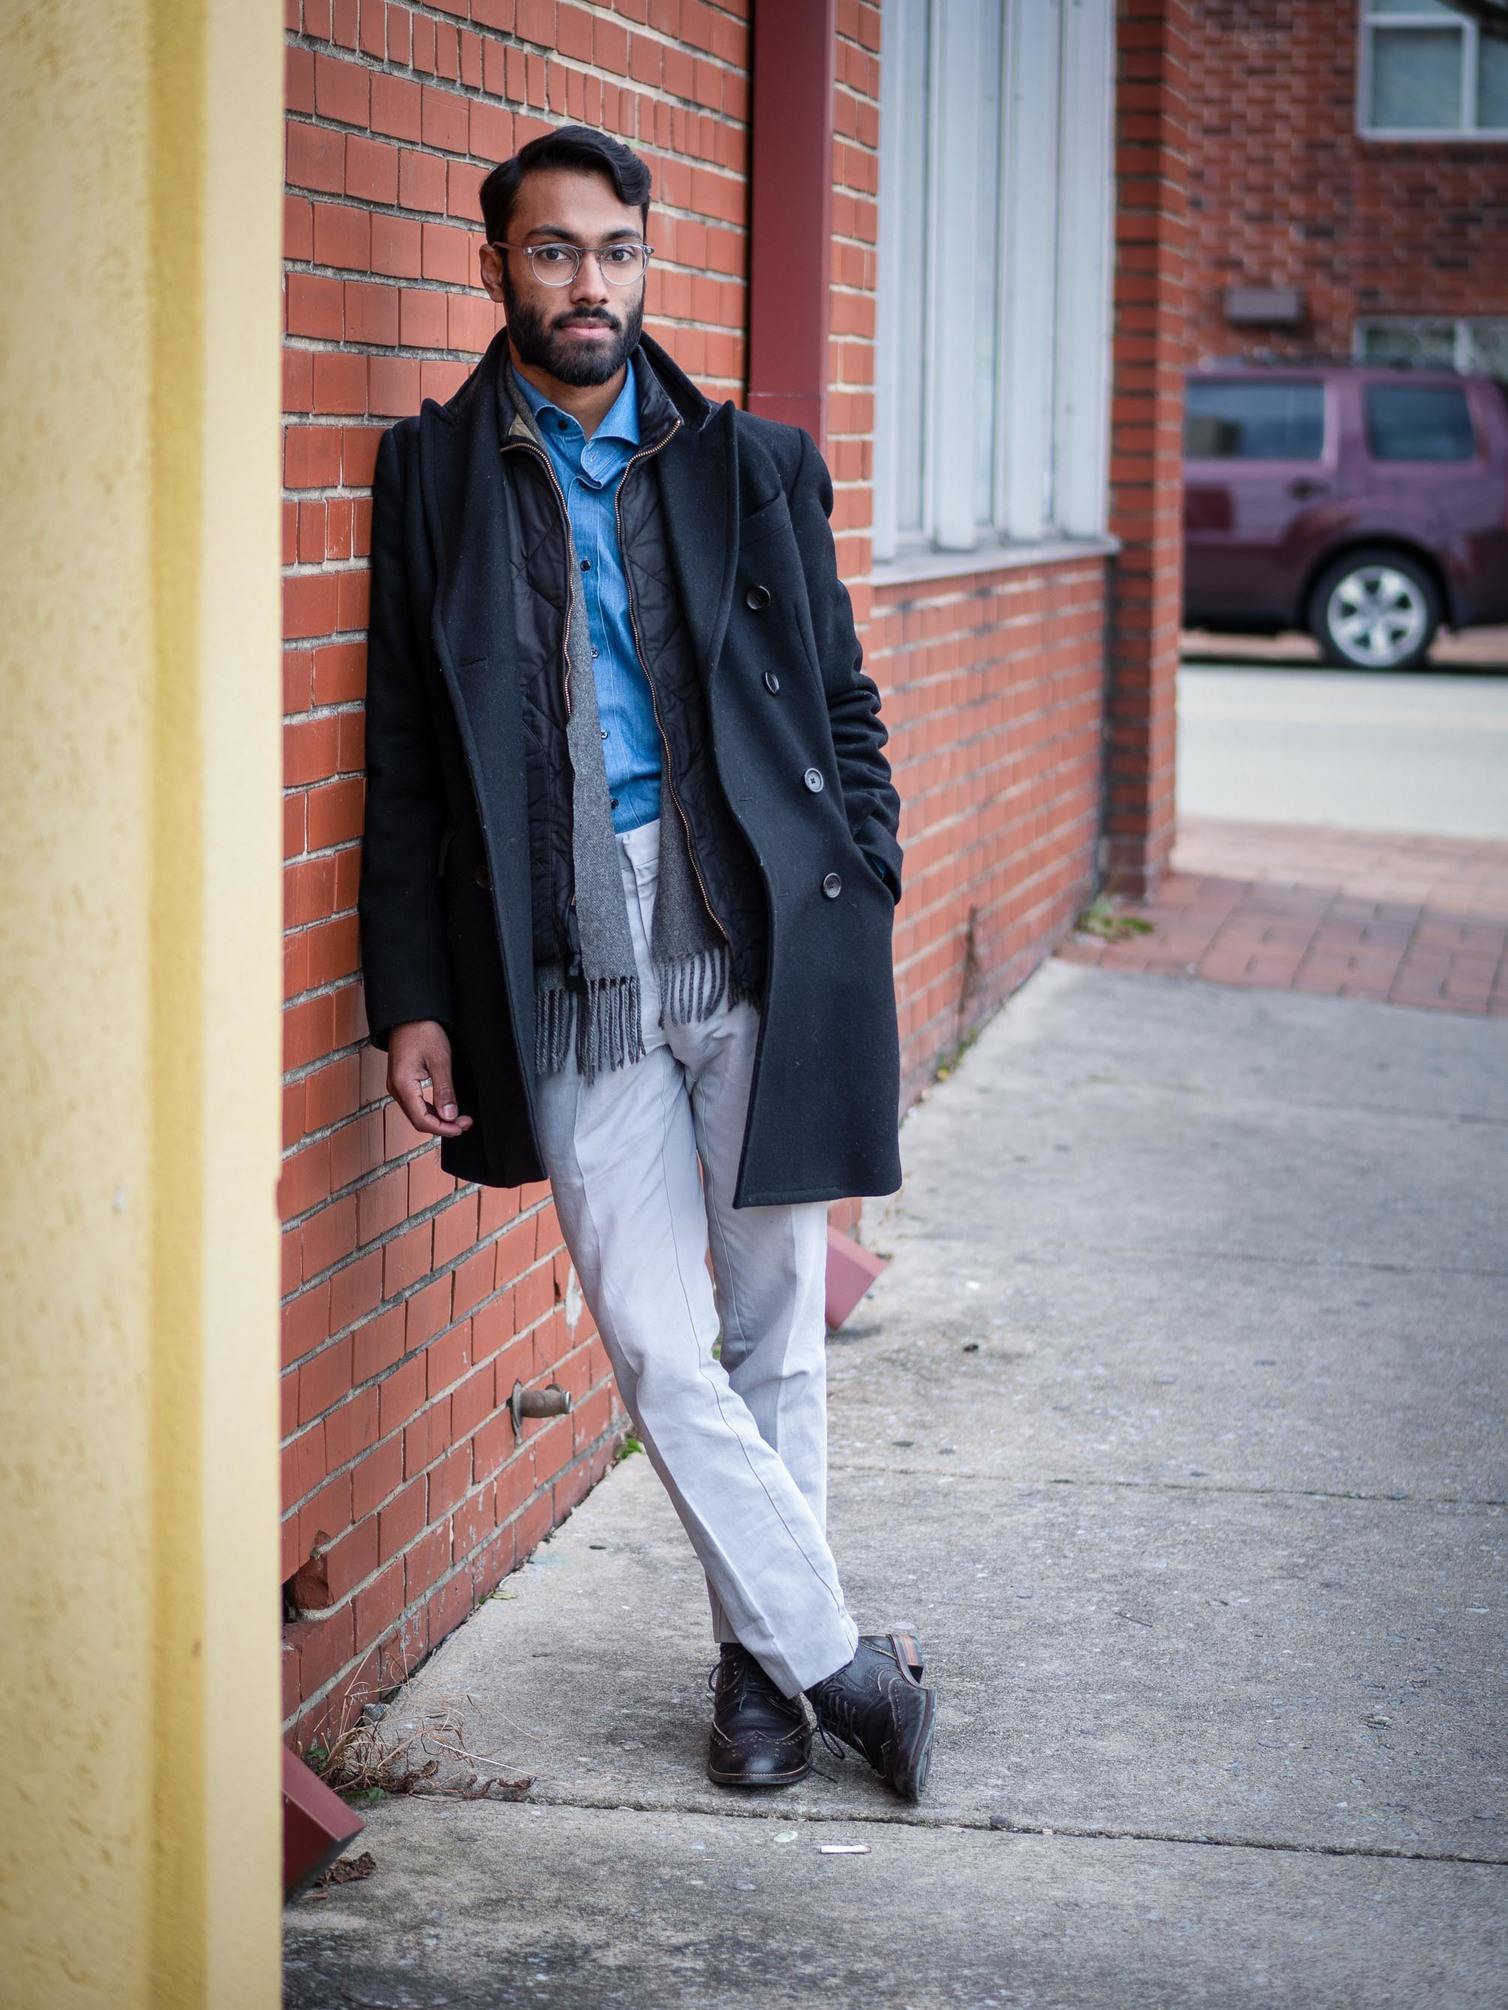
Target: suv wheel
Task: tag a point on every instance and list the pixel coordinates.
(1374, 610)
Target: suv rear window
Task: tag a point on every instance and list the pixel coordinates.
(1418, 422)
(1245, 419)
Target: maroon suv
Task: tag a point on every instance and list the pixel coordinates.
(1366, 503)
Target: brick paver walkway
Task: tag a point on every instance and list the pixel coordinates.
(1351, 914)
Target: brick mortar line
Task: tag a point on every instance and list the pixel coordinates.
(325, 990)
(327, 122)
(343, 638)
(331, 345)
(319, 1614)
(388, 1437)
(429, 1276)
(387, 66)
(294, 1508)
(353, 1186)
(301, 1071)
(396, 1430)
(321, 269)
(1001, 899)
(320, 851)
(391, 1235)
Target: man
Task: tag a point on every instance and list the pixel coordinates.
(627, 883)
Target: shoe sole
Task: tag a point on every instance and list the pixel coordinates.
(911, 1775)
(762, 1780)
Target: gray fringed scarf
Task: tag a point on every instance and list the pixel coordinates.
(692, 962)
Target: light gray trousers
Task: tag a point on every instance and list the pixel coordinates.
(643, 1162)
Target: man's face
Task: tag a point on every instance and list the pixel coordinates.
(580, 333)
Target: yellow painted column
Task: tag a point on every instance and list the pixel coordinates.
(140, 779)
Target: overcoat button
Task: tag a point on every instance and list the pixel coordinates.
(832, 886)
(813, 780)
(481, 876)
(771, 682)
(757, 597)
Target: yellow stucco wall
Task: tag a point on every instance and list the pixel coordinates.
(139, 940)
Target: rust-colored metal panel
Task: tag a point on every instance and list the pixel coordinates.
(851, 1269)
(317, 1825)
(790, 211)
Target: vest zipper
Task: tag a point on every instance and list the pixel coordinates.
(633, 622)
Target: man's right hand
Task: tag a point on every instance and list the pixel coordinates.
(419, 1078)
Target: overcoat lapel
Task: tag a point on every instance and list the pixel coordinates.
(470, 519)
(699, 488)
(465, 508)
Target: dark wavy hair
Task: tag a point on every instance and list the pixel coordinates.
(579, 147)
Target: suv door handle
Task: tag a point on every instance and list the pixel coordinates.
(1305, 486)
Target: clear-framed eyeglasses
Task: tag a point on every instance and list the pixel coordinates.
(558, 264)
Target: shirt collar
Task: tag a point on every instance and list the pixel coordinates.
(619, 422)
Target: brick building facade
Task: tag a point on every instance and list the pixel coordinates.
(1303, 180)
(1028, 694)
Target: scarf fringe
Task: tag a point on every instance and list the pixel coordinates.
(609, 1034)
(693, 987)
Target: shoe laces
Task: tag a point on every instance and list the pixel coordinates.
(733, 1674)
(838, 1705)
(834, 1745)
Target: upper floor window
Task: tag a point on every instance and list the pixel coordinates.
(992, 345)
(1428, 72)
(1467, 342)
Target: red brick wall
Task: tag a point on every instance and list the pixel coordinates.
(1285, 192)
(1150, 349)
(414, 1305)
(995, 689)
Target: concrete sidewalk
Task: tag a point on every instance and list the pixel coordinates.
(1176, 1426)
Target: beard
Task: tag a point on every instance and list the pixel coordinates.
(537, 338)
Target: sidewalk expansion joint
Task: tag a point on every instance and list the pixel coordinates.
(787, 1817)
(1228, 1098)
(1047, 1255)
(951, 1472)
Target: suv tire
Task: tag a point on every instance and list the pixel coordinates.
(1374, 609)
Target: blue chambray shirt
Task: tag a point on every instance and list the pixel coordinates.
(589, 471)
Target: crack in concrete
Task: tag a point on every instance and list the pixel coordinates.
(988, 1824)
(1047, 1256)
(1221, 1098)
(838, 1464)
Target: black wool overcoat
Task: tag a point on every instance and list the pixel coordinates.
(445, 869)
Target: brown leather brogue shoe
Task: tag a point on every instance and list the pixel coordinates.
(760, 1737)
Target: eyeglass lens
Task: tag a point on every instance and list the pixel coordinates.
(558, 264)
